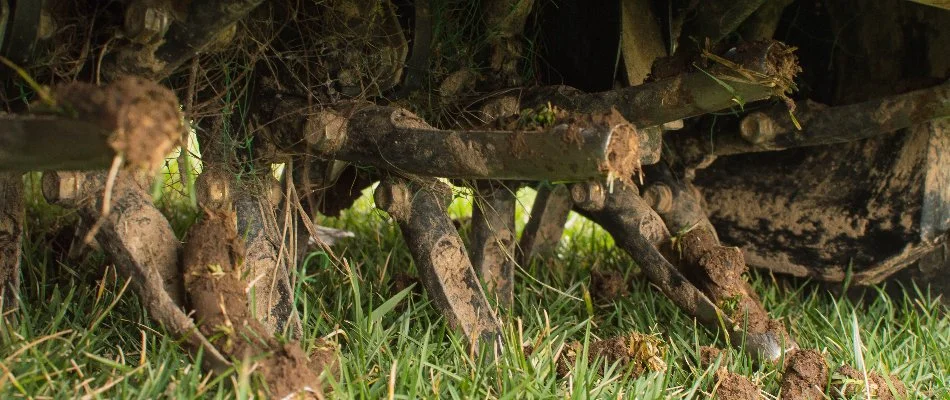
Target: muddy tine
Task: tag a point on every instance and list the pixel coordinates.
(493, 238)
(639, 231)
(435, 245)
(11, 233)
(716, 269)
(267, 264)
(152, 268)
(543, 231)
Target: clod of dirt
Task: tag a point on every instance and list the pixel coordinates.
(805, 376)
(848, 383)
(623, 151)
(212, 265)
(635, 352)
(779, 66)
(732, 386)
(608, 286)
(143, 117)
(324, 357)
(709, 354)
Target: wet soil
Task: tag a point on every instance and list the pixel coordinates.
(732, 386)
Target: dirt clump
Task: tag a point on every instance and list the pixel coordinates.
(805, 376)
(732, 386)
(608, 285)
(709, 354)
(635, 352)
(144, 118)
(324, 357)
(848, 383)
(778, 68)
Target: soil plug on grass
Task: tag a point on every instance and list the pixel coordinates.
(608, 285)
(213, 259)
(805, 376)
(635, 352)
(849, 383)
(732, 386)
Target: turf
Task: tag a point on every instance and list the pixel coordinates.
(81, 333)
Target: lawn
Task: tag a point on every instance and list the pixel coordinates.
(81, 333)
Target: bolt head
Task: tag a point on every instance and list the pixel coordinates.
(145, 23)
(589, 196)
(659, 197)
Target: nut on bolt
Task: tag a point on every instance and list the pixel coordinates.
(589, 196)
(146, 21)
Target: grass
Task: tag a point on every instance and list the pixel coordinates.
(80, 333)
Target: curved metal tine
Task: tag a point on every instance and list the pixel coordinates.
(419, 207)
(492, 243)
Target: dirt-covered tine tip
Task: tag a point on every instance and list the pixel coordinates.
(589, 196)
(213, 188)
(394, 199)
(659, 196)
